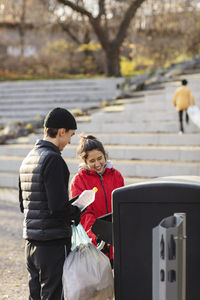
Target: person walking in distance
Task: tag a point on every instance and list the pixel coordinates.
(182, 99)
(48, 213)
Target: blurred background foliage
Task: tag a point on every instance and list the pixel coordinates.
(83, 38)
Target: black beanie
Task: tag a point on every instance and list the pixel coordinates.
(60, 118)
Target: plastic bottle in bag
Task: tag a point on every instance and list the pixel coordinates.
(85, 198)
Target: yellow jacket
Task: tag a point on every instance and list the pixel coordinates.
(183, 98)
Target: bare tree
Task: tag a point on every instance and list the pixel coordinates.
(167, 29)
(99, 23)
(22, 26)
(22, 16)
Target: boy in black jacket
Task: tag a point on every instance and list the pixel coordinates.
(44, 200)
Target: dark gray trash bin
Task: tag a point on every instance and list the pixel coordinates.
(139, 208)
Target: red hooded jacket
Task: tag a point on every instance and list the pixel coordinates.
(105, 183)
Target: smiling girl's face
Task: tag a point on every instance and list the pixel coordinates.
(95, 161)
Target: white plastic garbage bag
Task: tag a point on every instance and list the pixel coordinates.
(194, 114)
(87, 274)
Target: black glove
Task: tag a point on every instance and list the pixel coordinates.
(98, 240)
(73, 199)
(76, 216)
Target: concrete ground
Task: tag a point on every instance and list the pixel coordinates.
(13, 274)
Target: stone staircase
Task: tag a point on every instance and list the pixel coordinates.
(140, 135)
(26, 100)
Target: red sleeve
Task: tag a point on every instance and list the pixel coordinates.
(87, 220)
(76, 186)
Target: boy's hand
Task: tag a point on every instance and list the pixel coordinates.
(77, 216)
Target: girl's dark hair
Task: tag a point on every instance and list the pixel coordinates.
(89, 143)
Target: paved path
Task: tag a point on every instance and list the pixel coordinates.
(13, 275)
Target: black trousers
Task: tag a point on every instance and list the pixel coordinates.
(45, 268)
(181, 119)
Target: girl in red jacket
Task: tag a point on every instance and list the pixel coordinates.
(95, 171)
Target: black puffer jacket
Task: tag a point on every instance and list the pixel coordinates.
(43, 194)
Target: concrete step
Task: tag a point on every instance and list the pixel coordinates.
(136, 127)
(100, 89)
(10, 181)
(136, 168)
(30, 112)
(149, 106)
(133, 116)
(73, 89)
(128, 126)
(76, 96)
(9, 185)
(154, 139)
(53, 84)
(43, 103)
(24, 100)
(157, 153)
(119, 152)
(157, 168)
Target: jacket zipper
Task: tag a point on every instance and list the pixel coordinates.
(101, 179)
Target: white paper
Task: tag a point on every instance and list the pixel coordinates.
(85, 199)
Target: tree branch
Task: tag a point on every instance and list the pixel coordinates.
(95, 22)
(101, 8)
(77, 8)
(12, 25)
(131, 11)
(66, 28)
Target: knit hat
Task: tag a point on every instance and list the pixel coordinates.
(60, 118)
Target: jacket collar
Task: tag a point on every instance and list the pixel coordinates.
(47, 144)
(108, 167)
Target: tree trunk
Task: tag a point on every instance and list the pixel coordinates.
(110, 47)
(112, 62)
(22, 27)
